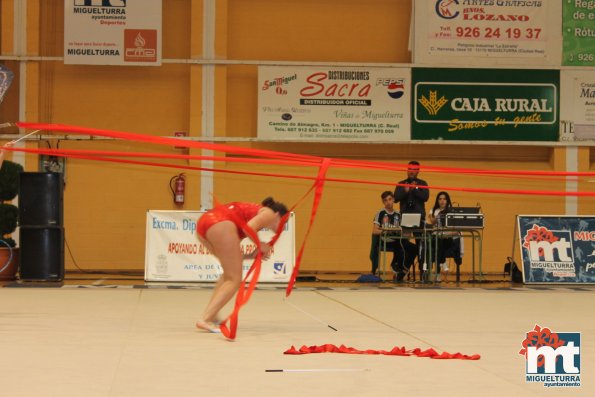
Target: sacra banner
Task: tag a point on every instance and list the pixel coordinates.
(334, 103)
(557, 249)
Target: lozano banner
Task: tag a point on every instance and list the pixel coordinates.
(334, 103)
(557, 249)
(485, 104)
(174, 253)
(487, 32)
(112, 32)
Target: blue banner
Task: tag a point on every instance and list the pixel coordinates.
(557, 249)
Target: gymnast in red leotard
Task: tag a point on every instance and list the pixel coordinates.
(220, 230)
(227, 212)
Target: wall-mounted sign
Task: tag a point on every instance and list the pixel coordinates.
(174, 253)
(334, 103)
(485, 104)
(112, 32)
(487, 32)
(557, 249)
(578, 32)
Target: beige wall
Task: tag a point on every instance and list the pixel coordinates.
(105, 203)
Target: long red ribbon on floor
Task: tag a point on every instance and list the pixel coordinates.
(395, 351)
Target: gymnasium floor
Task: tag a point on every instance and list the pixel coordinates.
(120, 336)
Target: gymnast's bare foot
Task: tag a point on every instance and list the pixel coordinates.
(208, 326)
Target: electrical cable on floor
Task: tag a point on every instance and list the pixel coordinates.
(95, 271)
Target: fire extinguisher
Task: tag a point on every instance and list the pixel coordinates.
(177, 184)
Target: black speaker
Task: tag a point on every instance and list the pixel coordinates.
(41, 199)
(42, 253)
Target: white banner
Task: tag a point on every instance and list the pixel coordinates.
(488, 32)
(334, 103)
(174, 253)
(112, 32)
(577, 101)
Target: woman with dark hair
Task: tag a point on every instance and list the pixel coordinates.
(221, 230)
(439, 210)
(448, 247)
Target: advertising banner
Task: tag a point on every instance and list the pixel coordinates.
(485, 104)
(487, 32)
(578, 33)
(334, 103)
(174, 253)
(112, 32)
(6, 77)
(557, 249)
(577, 101)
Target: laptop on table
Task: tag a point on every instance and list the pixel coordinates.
(410, 220)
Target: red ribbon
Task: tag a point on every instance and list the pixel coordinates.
(109, 157)
(318, 189)
(244, 294)
(279, 155)
(284, 158)
(395, 351)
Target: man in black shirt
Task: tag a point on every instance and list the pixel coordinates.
(412, 199)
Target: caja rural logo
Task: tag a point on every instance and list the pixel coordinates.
(552, 358)
(433, 104)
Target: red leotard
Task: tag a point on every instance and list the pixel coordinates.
(227, 212)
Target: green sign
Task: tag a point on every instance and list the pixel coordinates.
(578, 32)
(485, 104)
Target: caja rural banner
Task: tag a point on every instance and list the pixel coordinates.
(577, 104)
(557, 249)
(487, 32)
(334, 103)
(112, 32)
(485, 104)
(174, 253)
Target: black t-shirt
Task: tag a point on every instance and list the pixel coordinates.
(386, 219)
